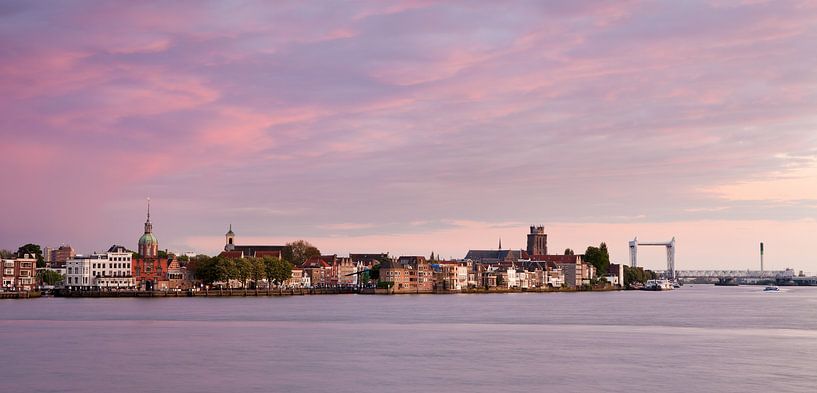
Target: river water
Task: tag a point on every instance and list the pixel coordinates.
(698, 338)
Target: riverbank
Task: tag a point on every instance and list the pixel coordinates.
(20, 295)
(311, 291)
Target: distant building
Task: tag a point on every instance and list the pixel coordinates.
(537, 241)
(56, 257)
(496, 256)
(232, 250)
(20, 274)
(615, 274)
(408, 274)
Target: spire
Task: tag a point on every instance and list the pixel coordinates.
(500, 243)
(148, 225)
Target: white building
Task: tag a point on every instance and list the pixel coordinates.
(100, 271)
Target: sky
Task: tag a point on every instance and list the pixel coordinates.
(414, 126)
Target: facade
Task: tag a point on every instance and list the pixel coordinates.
(343, 271)
(318, 271)
(408, 274)
(111, 270)
(615, 274)
(20, 274)
(150, 272)
(451, 275)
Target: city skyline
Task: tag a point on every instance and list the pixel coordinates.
(414, 127)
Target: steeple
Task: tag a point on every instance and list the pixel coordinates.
(148, 225)
(148, 245)
(500, 243)
(229, 243)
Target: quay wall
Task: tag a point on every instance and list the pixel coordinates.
(308, 292)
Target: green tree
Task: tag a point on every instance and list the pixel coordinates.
(49, 277)
(277, 270)
(257, 270)
(33, 249)
(299, 251)
(374, 272)
(569, 252)
(6, 254)
(228, 270)
(599, 257)
(244, 270)
(205, 270)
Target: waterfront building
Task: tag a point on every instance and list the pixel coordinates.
(149, 270)
(110, 270)
(343, 271)
(409, 274)
(576, 271)
(615, 274)
(20, 274)
(318, 271)
(299, 279)
(451, 275)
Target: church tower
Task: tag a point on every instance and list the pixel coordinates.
(148, 245)
(230, 240)
(537, 241)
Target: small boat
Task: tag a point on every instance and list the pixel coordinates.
(771, 288)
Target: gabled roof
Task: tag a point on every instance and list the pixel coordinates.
(232, 254)
(558, 258)
(496, 255)
(314, 263)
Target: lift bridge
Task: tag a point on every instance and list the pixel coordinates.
(670, 246)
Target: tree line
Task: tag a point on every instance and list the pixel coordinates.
(248, 270)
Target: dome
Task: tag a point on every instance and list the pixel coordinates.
(147, 240)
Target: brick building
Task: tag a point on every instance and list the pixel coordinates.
(20, 274)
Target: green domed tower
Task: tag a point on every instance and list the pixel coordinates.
(148, 245)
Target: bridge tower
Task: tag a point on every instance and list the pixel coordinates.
(670, 246)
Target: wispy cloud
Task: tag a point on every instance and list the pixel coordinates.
(370, 119)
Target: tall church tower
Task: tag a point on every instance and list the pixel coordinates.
(537, 241)
(148, 245)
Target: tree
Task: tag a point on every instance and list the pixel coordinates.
(299, 251)
(569, 252)
(33, 249)
(205, 270)
(6, 254)
(227, 269)
(244, 270)
(257, 270)
(49, 277)
(277, 270)
(598, 257)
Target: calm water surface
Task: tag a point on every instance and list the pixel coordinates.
(699, 338)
